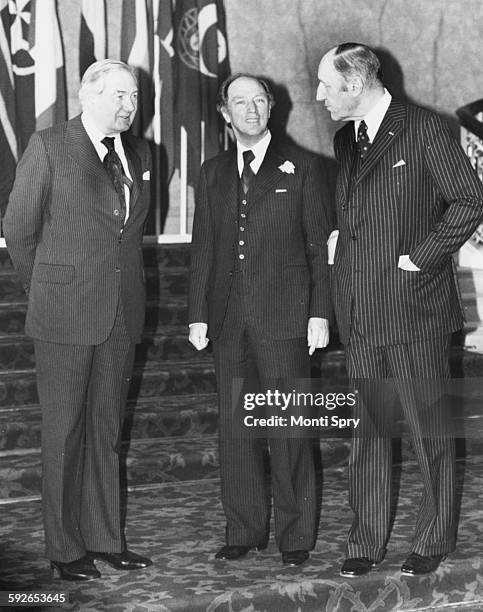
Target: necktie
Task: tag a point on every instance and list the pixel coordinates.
(247, 174)
(113, 165)
(363, 141)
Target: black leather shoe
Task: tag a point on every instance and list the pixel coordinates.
(294, 557)
(81, 569)
(125, 560)
(356, 566)
(234, 552)
(417, 565)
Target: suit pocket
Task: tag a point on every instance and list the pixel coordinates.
(54, 273)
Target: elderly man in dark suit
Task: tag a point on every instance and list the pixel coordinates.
(407, 199)
(73, 227)
(259, 290)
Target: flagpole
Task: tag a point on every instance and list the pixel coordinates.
(157, 124)
(183, 176)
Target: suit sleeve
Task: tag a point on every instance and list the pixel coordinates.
(23, 219)
(460, 187)
(317, 226)
(201, 255)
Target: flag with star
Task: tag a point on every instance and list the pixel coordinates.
(200, 66)
(33, 64)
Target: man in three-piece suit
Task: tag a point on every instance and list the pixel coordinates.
(259, 290)
(407, 199)
(73, 227)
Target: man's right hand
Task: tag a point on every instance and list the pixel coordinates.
(198, 335)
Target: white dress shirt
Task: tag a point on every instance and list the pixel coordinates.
(375, 116)
(259, 151)
(96, 136)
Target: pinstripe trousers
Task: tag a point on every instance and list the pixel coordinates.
(241, 355)
(83, 391)
(414, 373)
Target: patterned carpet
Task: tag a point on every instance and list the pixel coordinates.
(180, 525)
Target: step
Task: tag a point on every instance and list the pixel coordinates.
(177, 415)
(153, 380)
(148, 462)
(17, 351)
(170, 311)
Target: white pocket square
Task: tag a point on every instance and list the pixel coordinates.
(147, 176)
(280, 191)
(401, 162)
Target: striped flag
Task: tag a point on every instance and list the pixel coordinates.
(137, 38)
(8, 137)
(92, 37)
(32, 84)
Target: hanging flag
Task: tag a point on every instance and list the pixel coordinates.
(201, 64)
(164, 88)
(33, 90)
(8, 137)
(137, 50)
(92, 37)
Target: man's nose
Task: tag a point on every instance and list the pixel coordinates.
(320, 96)
(129, 104)
(251, 106)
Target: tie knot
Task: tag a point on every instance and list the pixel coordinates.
(248, 157)
(108, 142)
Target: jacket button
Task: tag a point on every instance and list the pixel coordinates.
(244, 202)
(241, 256)
(242, 229)
(241, 242)
(243, 216)
(116, 212)
(354, 237)
(118, 269)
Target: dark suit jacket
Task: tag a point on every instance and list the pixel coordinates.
(415, 195)
(64, 237)
(285, 243)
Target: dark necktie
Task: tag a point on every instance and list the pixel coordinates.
(247, 174)
(363, 142)
(113, 165)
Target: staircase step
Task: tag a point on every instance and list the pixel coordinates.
(19, 388)
(17, 351)
(147, 462)
(168, 311)
(178, 415)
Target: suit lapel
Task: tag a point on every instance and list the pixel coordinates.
(391, 125)
(81, 149)
(135, 168)
(228, 181)
(346, 159)
(267, 176)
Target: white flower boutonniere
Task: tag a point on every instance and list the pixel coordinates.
(287, 167)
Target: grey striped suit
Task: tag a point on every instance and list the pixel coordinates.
(85, 284)
(415, 194)
(257, 309)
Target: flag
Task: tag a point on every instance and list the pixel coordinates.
(92, 36)
(201, 64)
(8, 137)
(164, 99)
(137, 38)
(32, 83)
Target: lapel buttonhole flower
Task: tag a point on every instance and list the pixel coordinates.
(287, 167)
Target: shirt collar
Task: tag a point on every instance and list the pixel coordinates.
(259, 150)
(96, 136)
(375, 116)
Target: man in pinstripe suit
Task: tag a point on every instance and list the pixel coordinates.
(259, 291)
(407, 199)
(73, 227)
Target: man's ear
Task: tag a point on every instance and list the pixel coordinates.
(355, 86)
(225, 116)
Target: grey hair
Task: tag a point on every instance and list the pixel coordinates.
(95, 74)
(355, 59)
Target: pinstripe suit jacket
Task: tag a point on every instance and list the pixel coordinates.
(426, 207)
(64, 237)
(285, 243)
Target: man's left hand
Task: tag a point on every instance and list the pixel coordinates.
(317, 333)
